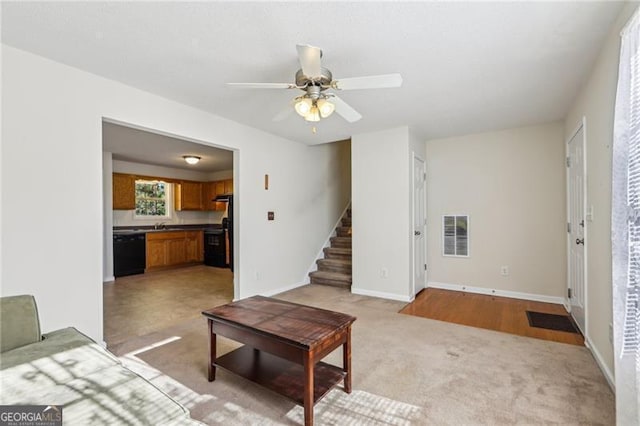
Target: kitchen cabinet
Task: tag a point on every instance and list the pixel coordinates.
(176, 251)
(188, 196)
(173, 248)
(228, 186)
(213, 189)
(208, 194)
(194, 246)
(124, 191)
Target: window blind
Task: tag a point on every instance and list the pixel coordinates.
(631, 330)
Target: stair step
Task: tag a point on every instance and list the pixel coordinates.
(337, 253)
(343, 242)
(343, 231)
(334, 265)
(346, 221)
(334, 279)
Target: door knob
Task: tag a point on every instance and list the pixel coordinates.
(416, 233)
(580, 241)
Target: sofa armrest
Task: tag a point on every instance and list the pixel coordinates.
(19, 323)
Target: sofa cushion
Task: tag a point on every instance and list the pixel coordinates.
(67, 368)
(19, 324)
(68, 347)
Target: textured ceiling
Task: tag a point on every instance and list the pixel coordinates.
(140, 146)
(467, 66)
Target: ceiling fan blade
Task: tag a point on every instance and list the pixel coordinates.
(262, 85)
(345, 110)
(369, 82)
(309, 57)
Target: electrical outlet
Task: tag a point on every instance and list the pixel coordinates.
(504, 271)
(384, 273)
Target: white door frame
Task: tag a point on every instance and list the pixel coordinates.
(424, 227)
(581, 125)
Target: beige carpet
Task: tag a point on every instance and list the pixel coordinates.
(440, 373)
(336, 408)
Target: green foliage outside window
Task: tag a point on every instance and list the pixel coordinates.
(151, 198)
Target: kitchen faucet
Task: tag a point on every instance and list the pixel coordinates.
(159, 225)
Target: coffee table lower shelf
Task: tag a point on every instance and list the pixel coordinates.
(279, 375)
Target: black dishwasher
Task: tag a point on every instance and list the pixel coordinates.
(129, 255)
(215, 248)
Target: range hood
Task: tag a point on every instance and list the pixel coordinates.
(223, 197)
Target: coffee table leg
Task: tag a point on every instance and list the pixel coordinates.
(308, 389)
(346, 361)
(212, 352)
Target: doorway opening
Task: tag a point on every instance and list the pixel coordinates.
(168, 229)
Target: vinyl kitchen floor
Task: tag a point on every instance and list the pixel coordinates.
(140, 304)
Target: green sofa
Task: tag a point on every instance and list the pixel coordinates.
(67, 368)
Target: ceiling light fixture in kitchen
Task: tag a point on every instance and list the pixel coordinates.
(191, 159)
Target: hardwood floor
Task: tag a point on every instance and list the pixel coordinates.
(490, 312)
(141, 304)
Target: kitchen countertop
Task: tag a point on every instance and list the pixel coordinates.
(131, 230)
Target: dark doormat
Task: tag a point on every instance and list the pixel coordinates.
(552, 322)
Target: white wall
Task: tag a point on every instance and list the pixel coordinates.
(52, 156)
(225, 174)
(596, 102)
(511, 184)
(381, 171)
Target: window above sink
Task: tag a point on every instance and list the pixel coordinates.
(152, 199)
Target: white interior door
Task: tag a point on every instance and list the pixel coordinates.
(576, 172)
(419, 225)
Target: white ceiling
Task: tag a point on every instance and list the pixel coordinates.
(139, 146)
(467, 66)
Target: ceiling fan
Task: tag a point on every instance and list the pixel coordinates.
(314, 81)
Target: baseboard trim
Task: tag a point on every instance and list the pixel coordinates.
(494, 292)
(108, 279)
(282, 289)
(600, 361)
(381, 294)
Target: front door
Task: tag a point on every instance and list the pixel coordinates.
(576, 227)
(419, 225)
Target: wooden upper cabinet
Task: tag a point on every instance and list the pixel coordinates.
(188, 196)
(124, 192)
(208, 194)
(212, 189)
(228, 186)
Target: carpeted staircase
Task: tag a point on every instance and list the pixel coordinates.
(335, 268)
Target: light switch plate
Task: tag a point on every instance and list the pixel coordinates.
(589, 214)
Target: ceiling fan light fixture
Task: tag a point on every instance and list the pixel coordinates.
(313, 115)
(191, 159)
(303, 106)
(325, 107)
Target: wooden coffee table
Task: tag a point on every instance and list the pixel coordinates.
(284, 343)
